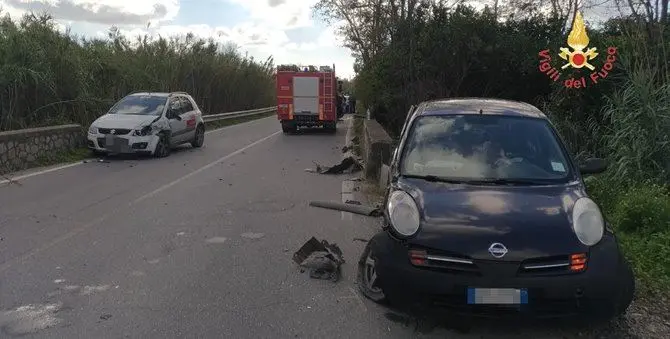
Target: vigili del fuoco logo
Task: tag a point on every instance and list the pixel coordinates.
(578, 58)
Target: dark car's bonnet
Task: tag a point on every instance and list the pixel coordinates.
(531, 221)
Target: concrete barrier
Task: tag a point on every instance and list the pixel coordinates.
(21, 148)
(377, 147)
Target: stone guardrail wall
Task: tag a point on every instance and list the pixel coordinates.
(21, 148)
(377, 147)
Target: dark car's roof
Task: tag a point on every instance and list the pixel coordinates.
(152, 94)
(479, 106)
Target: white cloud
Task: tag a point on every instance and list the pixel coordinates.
(279, 14)
(109, 12)
(263, 35)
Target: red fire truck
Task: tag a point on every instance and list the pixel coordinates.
(306, 97)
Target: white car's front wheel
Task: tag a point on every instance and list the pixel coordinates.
(199, 138)
(162, 147)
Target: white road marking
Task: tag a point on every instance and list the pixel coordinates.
(49, 170)
(250, 235)
(86, 226)
(88, 290)
(211, 164)
(62, 167)
(216, 240)
(59, 281)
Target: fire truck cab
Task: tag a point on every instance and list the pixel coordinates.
(306, 97)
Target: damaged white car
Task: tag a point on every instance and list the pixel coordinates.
(148, 123)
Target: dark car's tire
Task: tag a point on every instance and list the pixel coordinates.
(199, 138)
(367, 280)
(627, 292)
(163, 147)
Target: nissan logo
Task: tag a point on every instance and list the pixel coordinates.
(498, 250)
(112, 131)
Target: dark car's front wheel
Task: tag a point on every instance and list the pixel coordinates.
(627, 292)
(367, 279)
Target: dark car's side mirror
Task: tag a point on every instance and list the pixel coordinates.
(593, 166)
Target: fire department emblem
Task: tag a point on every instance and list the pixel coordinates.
(578, 40)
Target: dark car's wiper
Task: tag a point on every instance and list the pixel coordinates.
(434, 178)
(505, 181)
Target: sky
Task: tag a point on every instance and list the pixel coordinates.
(284, 29)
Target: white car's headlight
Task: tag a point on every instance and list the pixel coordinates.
(587, 221)
(92, 130)
(144, 131)
(403, 213)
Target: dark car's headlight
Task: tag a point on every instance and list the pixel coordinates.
(403, 213)
(144, 131)
(587, 221)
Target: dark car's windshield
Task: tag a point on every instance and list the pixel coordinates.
(484, 148)
(140, 105)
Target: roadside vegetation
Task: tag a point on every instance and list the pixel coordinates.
(48, 77)
(412, 50)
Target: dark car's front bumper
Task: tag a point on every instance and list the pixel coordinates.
(604, 288)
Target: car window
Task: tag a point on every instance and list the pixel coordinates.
(139, 105)
(483, 147)
(176, 105)
(187, 106)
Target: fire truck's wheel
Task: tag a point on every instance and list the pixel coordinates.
(288, 128)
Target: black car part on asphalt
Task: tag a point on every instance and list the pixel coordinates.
(322, 258)
(348, 207)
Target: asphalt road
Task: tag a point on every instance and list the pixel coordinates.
(196, 245)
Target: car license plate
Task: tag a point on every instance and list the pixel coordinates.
(115, 144)
(109, 141)
(497, 296)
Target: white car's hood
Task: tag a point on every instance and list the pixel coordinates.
(126, 121)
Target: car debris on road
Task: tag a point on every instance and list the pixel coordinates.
(348, 207)
(347, 165)
(322, 259)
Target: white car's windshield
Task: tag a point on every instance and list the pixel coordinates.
(484, 147)
(140, 105)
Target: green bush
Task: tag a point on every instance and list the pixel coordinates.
(643, 208)
(48, 77)
(640, 216)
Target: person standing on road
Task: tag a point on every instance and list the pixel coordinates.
(340, 105)
(352, 104)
